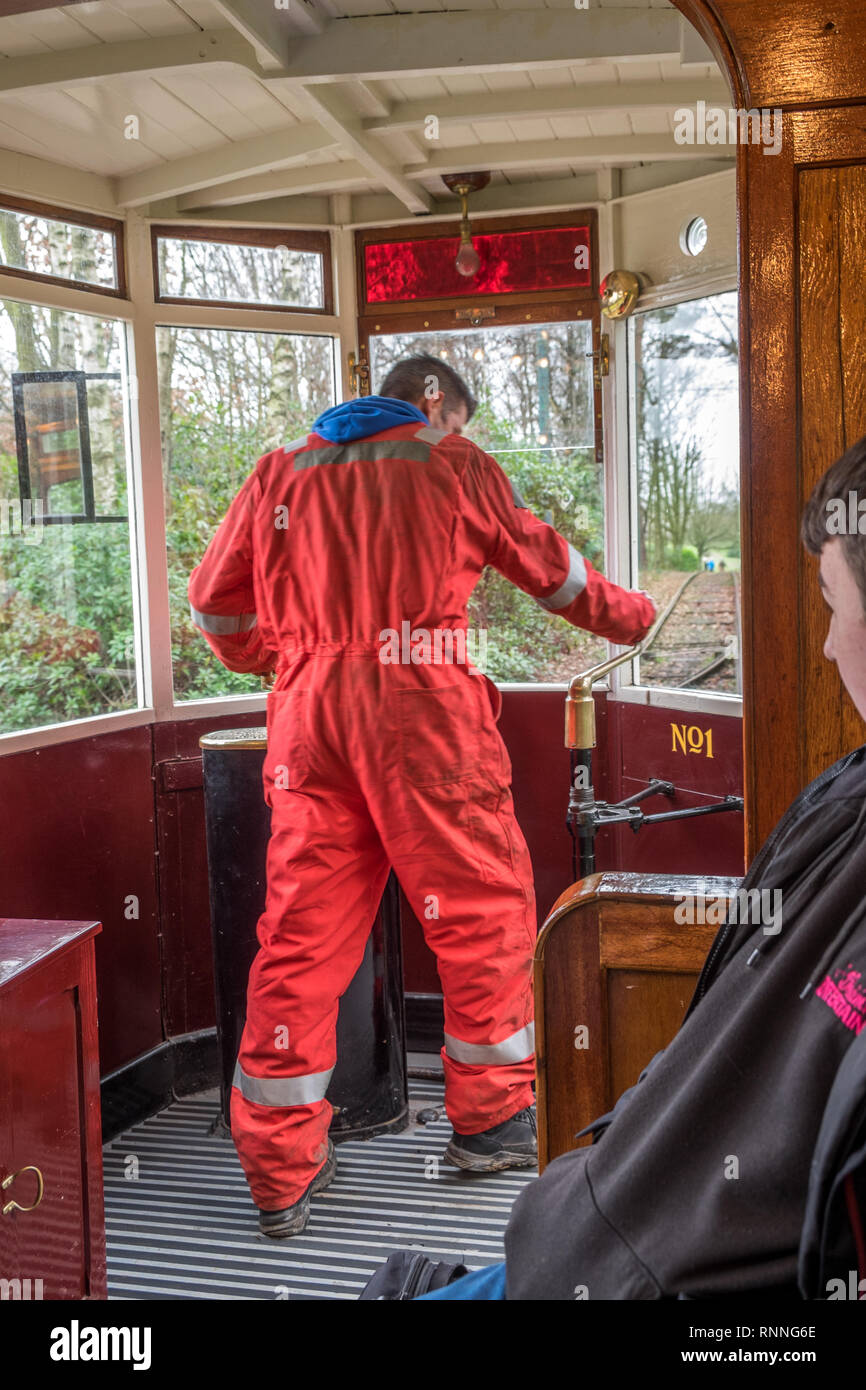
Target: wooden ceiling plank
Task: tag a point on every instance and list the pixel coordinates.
(57, 29)
(232, 121)
(157, 17)
(106, 24)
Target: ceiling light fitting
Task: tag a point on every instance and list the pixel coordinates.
(468, 262)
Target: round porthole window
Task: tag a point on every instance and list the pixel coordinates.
(693, 237)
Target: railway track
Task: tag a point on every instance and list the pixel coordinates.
(698, 648)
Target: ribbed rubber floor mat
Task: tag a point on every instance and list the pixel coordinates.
(181, 1224)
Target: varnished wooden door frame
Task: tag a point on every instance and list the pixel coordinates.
(812, 66)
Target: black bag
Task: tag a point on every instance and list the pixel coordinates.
(408, 1274)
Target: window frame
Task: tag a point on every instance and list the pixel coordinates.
(530, 306)
(623, 686)
(295, 239)
(138, 314)
(96, 222)
(143, 712)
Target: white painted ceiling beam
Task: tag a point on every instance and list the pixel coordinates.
(347, 131)
(409, 116)
(533, 154)
(570, 194)
(417, 45)
(306, 211)
(263, 26)
(311, 178)
(497, 200)
(693, 49)
(240, 159)
(70, 66)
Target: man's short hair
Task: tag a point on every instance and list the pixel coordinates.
(409, 381)
(837, 507)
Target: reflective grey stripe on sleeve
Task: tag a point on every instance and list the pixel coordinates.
(432, 436)
(295, 445)
(514, 1049)
(575, 583)
(282, 1090)
(364, 451)
(221, 624)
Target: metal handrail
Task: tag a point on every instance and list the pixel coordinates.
(579, 704)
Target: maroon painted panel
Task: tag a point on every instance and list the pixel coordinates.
(645, 742)
(188, 987)
(77, 841)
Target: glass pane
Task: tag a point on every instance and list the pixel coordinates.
(535, 416)
(229, 273)
(67, 631)
(226, 398)
(49, 247)
(52, 426)
(686, 456)
(548, 258)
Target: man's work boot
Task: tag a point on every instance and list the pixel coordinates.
(511, 1144)
(290, 1221)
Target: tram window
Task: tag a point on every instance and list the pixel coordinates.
(256, 268)
(37, 243)
(227, 396)
(67, 633)
(685, 452)
(535, 415)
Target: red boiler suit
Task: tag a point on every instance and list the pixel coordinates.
(377, 758)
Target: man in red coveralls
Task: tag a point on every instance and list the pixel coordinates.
(345, 563)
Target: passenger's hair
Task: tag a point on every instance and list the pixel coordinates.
(408, 380)
(847, 475)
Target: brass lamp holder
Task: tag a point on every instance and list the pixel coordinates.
(462, 185)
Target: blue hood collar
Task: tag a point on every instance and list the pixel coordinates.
(369, 415)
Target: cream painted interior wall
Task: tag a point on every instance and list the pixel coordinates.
(647, 227)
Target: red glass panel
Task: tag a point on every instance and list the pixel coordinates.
(543, 258)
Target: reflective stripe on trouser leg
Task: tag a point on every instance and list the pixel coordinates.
(283, 1091)
(515, 1048)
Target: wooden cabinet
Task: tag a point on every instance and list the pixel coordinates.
(52, 1227)
(616, 966)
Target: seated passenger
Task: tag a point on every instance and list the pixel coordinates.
(696, 1182)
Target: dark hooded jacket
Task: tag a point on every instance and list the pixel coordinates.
(696, 1182)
